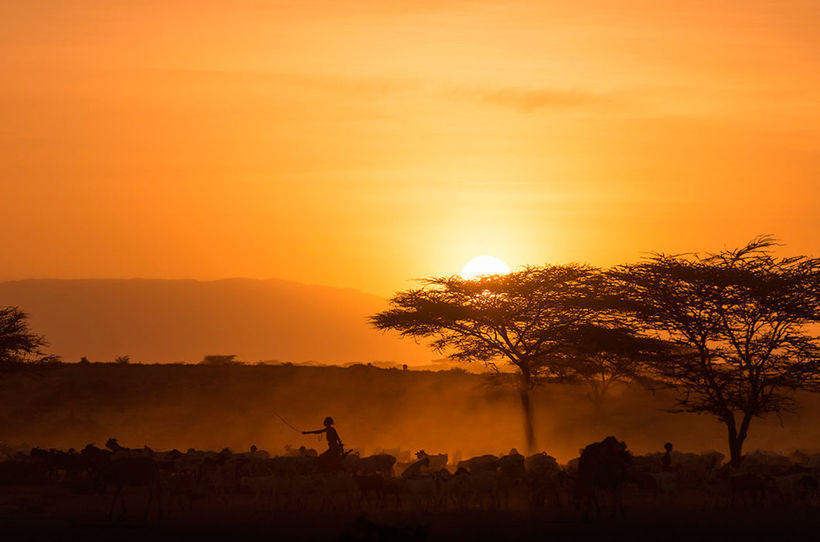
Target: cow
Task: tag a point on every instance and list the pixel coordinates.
(602, 469)
(133, 471)
(479, 463)
(437, 461)
(544, 477)
(379, 464)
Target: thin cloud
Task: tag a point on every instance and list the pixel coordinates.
(533, 99)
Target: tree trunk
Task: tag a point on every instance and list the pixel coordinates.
(735, 449)
(737, 436)
(529, 426)
(597, 397)
(597, 409)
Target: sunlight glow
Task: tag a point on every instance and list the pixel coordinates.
(484, 265)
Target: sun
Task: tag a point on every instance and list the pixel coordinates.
(484, 265)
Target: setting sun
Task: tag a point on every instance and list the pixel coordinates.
(484, 265)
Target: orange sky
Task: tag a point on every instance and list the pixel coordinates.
(345, 144)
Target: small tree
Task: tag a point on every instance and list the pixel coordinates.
(522, 319)
(606, 354)
(17, 342)
(741, 320)
(122, 360)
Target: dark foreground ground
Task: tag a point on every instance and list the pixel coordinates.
(437, 526)
(29, 514)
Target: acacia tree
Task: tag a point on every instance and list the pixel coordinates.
(17, 342)
(522, 319)
(741, 320)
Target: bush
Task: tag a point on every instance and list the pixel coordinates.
(219, 359)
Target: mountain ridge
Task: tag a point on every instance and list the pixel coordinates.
(173, 320)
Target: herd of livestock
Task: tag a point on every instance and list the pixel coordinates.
(606, 479)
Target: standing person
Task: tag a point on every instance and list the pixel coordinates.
(666, 460)
(332, 457)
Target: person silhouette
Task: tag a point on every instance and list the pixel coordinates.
(666, 460)
(335, 449)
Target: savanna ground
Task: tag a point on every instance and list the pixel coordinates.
(212, 407)
(179, 406)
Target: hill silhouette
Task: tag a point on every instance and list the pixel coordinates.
(183, 320)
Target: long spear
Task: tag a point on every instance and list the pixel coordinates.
(286, 422)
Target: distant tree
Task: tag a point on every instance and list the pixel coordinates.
(521, 319)
(84, 360)
(218, 359)
(122, 360)
(17, 342)
(742, 322)
(605, 354)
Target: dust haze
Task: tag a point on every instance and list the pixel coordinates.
(235, 406)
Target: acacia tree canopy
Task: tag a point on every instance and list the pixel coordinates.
(17, 342)
(523, 319)
(741, 320)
